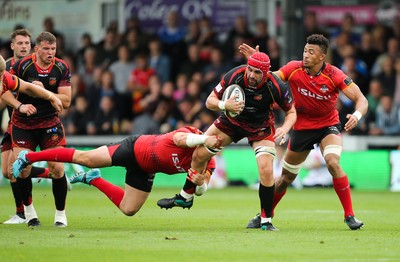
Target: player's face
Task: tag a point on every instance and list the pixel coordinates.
(46, 52)
(312, 55)
(21, 46)
(254, 75)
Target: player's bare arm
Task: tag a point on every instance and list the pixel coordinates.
(361, 106)
(213, 103)
(64, 93)
(38, 91)
(183, 139)
(290, 119)
(9, 99)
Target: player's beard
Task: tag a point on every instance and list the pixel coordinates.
(253, 82)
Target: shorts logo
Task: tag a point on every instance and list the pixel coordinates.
(54, 137)
(52, 81)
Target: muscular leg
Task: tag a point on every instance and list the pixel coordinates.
(289, 173)
(200, 158)
(265, 153)
(98, 157)
(129, 201)
(15, 187)
(340, 179)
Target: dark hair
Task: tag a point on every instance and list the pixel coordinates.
(23, 32)
(45, 36)
(320, 41)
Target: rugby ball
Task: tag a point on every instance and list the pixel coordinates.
(232, 91)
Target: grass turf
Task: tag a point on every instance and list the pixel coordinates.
(310, 222)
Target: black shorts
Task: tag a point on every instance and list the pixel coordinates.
(236, 133)
(6, 143)
(124, 156)
(42, 137)
(302, 140)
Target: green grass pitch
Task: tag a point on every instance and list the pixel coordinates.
(310, 222)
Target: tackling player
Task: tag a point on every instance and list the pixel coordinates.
(141, 155)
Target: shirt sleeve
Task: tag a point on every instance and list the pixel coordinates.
(11, 82)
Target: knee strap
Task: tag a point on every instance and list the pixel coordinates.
(332, 149)
(262, 150)
(294, 169)
(213, 151)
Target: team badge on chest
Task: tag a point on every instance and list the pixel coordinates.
(52, 81)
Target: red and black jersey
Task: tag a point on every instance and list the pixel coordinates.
(56, 75)
(158, 153)
(10, 82)
(259, 102)
(315, 96)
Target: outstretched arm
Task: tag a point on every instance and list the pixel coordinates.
(9, 99)
(182, 139)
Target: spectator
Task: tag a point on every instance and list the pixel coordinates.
(49, 26)
(134, 43)
(349, 66)
(367, 51)
(348, 26)
(172, 37)
(107, 52)
(193, 32)
(311, 26)
(121, 70)
(393, 50)
(139, 82)
(181, 87)
(80, 121)
(397, 81)
(193, 64)
(207, 37)
(86, 42)
(151, 97)
(159, 61)
(213, 71)
(274, 53)
(388, 75)
(88, 66)
(150, 121)
(261, 35)
(106, 119)
(387, 118)
(374, 95)
(239, 30)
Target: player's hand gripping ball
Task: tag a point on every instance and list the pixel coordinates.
(232, 91)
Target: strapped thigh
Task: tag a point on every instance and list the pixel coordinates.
(332, 149)
(263, 150)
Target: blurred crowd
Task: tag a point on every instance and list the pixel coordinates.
(136, 82)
